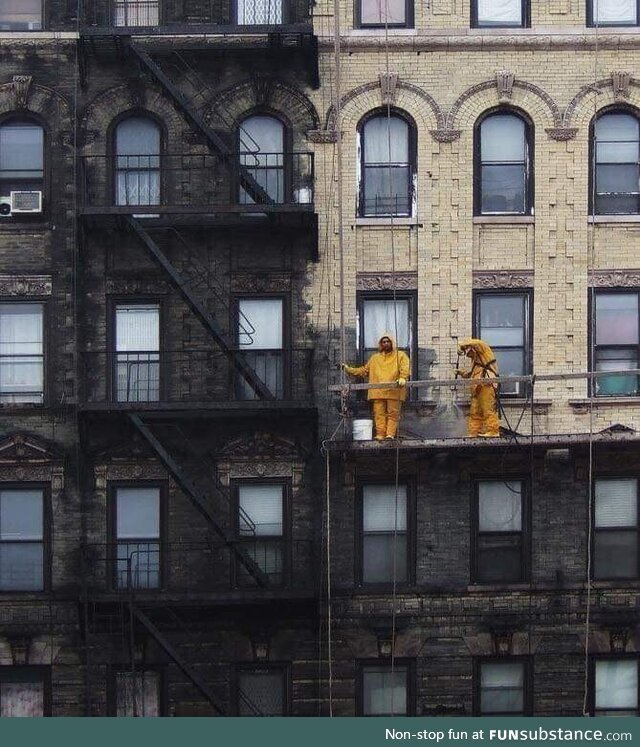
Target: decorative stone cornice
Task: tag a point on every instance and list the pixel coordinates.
(375, 281)
(261, 446)
(21, 88)
(322, 136)
(252, 283)
(502, 279)
(562, 133)
(25, 285)
(614, 278)
(26, 449)
(135, 286)
(445, 136)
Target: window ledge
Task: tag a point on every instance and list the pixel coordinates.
(614, 219)
(381, 31)
(506, 586)
(598, 401)
(516, 219)
(386, 222)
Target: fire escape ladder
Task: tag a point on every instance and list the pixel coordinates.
(182, 284)
(188, 670)
(199, 498)
(251, 186)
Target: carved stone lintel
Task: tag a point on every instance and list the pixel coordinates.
(21, 87)
(374, 281)
(322, 136)
(258, 469)
(502, 279)
(615, 278)
(562, 133)
(145, 470)
(265, 446)
(26, 449)
(25, 285)
(504, 83)
(125, 287)
(268, 283)
(620, 80)
(445, 135)
(388, 85)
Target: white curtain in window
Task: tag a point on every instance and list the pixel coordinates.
(21, 150)
(260, 510)
(21, 699)
(617, 684)
(21, 15)
(616, 502)
(384, 693)
(617, 319)
(502, 139)
(138, 513)
(260, 323)
(502, 320)
(500, 12)
(615, 11)
(383, 317)
(259, 12)
(500, 506)
(617, 138)
(138, 328)
(380, 510)
(138, 162)
(137, 694)
(386, 140)
(21, 352)
(379, 12)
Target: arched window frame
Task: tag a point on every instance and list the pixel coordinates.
(287, 167)
(40, 183)
(630, 111)
(411, 164)
(528, 180)
(113, 151)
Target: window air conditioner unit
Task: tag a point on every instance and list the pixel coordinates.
(26, 202)
(5, 207)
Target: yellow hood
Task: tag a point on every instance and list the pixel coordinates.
(483, 354)
(391, 337)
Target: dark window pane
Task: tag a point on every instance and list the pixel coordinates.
(261, 693)
(138, 565)
(386, 190)
(616, 359)
(378, 558)
(137, 694)
(502, 687)
(503, 188)
(384, 693)
(21, 566)
(617, 155)
(499, 558)
(616, 554)
(21, 699)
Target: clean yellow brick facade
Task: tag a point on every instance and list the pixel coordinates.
(446, 79)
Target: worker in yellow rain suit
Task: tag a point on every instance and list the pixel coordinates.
(387, 365)
(483, 415)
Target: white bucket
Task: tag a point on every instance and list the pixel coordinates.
(362, 430)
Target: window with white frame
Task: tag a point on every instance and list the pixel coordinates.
(137, 694)
(21, 15)
(261, 529)
(497, 13)
(616, 159)
(21, 353)
(613, 12)
(616, 346)
(615, 541)
(503, 688)
(137, 147)
(387, 166)
(24, 692)
(136, 12)
(615, 689)
(22, 554)
(500, 537)
(137, 353)
(504, 184)
(384, 690)
(385, 552)
(502, 320)
(137, 537)
(261, 341)
(261, 691)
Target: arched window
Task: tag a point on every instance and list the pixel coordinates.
(503, 168)
(615, 154)
(137, 149)
(387, 166)
(21, 156)
(262, 139)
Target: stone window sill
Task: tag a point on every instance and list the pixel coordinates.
(386, 222)
(504, 219)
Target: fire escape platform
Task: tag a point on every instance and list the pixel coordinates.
(192, 410)
(202, 35)
(522, 441)
(162, 598)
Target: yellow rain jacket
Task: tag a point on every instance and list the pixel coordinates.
(483, 414)
(384, 367)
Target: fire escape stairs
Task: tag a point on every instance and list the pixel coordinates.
(190, 112)
(184, 284)
(201, 498)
